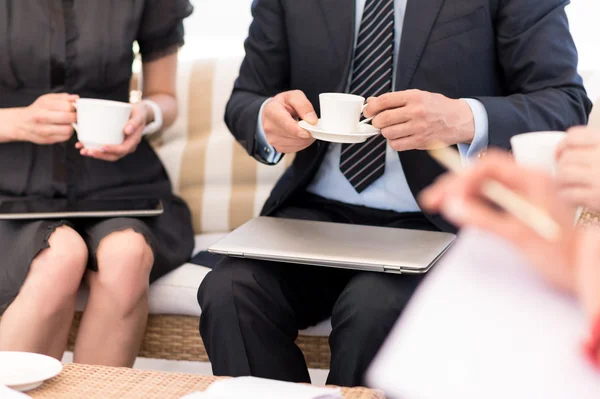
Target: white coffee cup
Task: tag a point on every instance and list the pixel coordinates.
(101, 122)
(537, 150)
(340, 113)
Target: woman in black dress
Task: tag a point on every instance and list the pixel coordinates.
(52, 52)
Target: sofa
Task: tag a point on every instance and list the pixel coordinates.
(224, 188)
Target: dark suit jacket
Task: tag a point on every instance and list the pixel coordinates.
(516, 56)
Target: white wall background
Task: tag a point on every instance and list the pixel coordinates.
(584, 16)
(218, 27)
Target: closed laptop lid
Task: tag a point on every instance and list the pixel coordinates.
(336, 245)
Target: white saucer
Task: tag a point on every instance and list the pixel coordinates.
(364, 132)
(26, 371)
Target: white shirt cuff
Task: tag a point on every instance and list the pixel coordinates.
(481, 137)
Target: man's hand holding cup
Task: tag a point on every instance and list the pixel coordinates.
(280, 121)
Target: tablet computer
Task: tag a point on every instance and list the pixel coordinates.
(86, 208)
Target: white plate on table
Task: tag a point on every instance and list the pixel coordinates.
(363, 132)
(23, 371)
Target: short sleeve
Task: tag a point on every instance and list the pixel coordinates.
(161, 29)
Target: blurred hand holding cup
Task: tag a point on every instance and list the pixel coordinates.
(537, 150)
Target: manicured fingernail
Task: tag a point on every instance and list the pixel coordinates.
(304, 134)
(454, 209)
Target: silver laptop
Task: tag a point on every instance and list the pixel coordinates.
(378, 249)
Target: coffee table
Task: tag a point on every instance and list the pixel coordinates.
(90, 382)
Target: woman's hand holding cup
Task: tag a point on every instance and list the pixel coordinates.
(459, 197)
(47, 121)
(134, 129)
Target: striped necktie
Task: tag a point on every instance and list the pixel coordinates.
(362, 164)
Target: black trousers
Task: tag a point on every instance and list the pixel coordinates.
(252, 310)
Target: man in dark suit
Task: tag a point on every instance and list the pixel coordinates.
(470, 73)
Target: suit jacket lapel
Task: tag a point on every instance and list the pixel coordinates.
(339, 18)
(418, 22)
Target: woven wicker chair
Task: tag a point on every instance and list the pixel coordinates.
(177, 338)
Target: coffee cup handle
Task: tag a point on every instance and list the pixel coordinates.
(365, 121)
(74, 124)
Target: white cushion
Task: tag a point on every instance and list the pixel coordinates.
(323, 329)
(176, 292)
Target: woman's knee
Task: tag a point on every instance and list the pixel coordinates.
(125, 261)
(56, 273)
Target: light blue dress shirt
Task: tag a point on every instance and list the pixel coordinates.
(391, 191)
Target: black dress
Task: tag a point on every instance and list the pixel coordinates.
(83, 47)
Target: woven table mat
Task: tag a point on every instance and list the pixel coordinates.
(90, 382)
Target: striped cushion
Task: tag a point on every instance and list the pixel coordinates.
(223, 186)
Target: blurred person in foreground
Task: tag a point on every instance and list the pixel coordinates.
(572, 262)
(53, 52)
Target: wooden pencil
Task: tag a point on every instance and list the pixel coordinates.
(539, 220)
